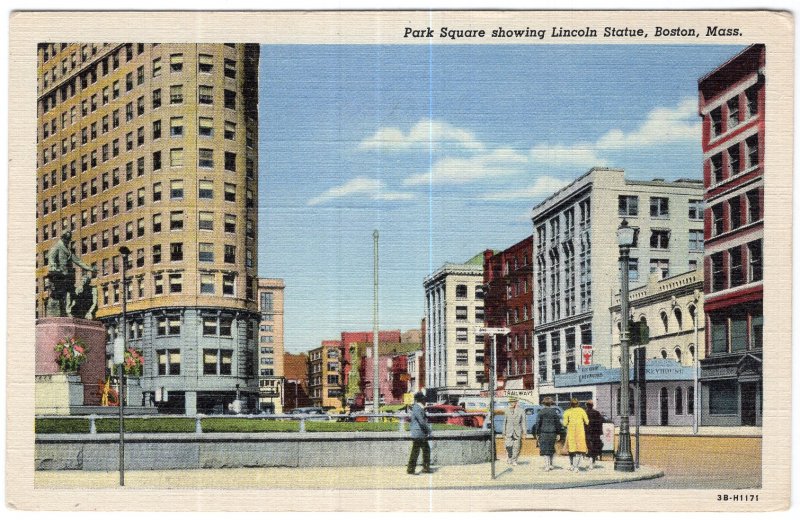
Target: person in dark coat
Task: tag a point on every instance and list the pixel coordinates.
(594, 433)
(420, 433)
(548, 427)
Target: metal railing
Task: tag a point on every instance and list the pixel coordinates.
(401, 418)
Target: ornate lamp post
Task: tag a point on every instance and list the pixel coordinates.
(623, 461)
(125, 252)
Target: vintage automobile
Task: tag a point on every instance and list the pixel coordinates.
(460, 418)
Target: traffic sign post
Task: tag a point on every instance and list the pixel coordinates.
(494, 331)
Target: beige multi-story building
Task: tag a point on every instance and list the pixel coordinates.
(576, 263)
(270, 345)
(325, 375)
(454, 350)
(154, 146)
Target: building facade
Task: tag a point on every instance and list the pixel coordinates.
(732, 107)
(351, 367)
(271, 378)
(454, 351)
(576, 262)
(154, 146)
(508, 276)
(671, 309)
(295, 381)
(324, 375)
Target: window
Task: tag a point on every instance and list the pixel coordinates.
(157, 129)
(754, 270)
(168, 326)
(157, 260)
(690, 400)
(734, 164)
(462, 377)
(695, 240)
(461, 291)
(751, 95)
(228, 284)
(230, 193)
(217, 361)
(659, 266)
(461, 313)
(176, 251)
(230, 223)
(176, 157)
(176, 189)
(462, 357)
(659, 207)
(757, 330)
(175, 282)
(751, 146)
(140, 136)
(205, 158)
(555, 352)
(205, 95)
(206, 252)
(210, 326)
(717, 273)
(696, 209)
(753, 206)
(735, 212)
(230, 69)
(230, 130)
(176, 94)
(156, 67)
(723, 397)
(206, 126)
(230, 161)
(205, 63)
(156, 160)
(206, 283)
(628, 205)
(633, 269)
(156, 192)
(230, 99)
(716, 168)
(140, 106)
(679, 401)
(718, 222)
(206, 189)
(716, 121)
(175, 220)
(176, 62)
(461, 334)
(176, 126)
(206, 220)
(733, 112)
(659, 239)
(169, 362)
(230, 254)
(738, 333)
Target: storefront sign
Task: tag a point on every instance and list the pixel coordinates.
(655, 370)
(586, 355)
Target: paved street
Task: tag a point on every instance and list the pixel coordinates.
(693, 462)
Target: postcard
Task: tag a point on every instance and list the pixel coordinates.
(482, 260)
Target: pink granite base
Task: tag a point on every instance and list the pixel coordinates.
(50, 331)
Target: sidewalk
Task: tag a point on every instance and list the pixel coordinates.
(527, 475)
(703, 431)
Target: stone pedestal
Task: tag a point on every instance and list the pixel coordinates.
(50, 331)
(58, 394)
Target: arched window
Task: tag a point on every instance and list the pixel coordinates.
(679, 401)
(691, 352)
(665, 321)
(692, 311)
(678, 354)
(690, 400)
(678, 317)
(663, 353)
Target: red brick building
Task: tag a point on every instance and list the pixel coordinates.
(508, 302)
(732, 104)
(295, 368)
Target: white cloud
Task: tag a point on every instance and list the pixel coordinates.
(663, 125)
(426, 134)
(372, 189)
(500, 162)
(544, 186)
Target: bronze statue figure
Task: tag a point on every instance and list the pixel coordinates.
(65, 299)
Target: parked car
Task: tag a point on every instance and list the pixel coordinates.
(531, 415)
(317, 413)
(461, 418)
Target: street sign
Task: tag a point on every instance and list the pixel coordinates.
(492, 330)
(408, 398)
(119, 350)
(586, 354)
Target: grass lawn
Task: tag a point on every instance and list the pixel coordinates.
(217, 425)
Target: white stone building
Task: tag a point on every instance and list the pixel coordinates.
(576, 262)
(453, 350)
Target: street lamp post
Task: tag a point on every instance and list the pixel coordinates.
(696, 368)
(125, 252)
(623, 461)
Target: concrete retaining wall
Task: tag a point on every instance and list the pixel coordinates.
(100, 452)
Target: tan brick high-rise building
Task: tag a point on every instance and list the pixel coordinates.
(154, 146)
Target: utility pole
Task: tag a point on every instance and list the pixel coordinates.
(120, 360)
(376, 383)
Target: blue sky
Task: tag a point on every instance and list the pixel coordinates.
(444, 150)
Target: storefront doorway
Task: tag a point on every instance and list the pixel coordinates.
(749, 404)
(664, 400)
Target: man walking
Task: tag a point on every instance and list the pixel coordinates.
(514, 430)
(420, 433)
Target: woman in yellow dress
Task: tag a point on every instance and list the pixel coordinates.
(575, 420)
